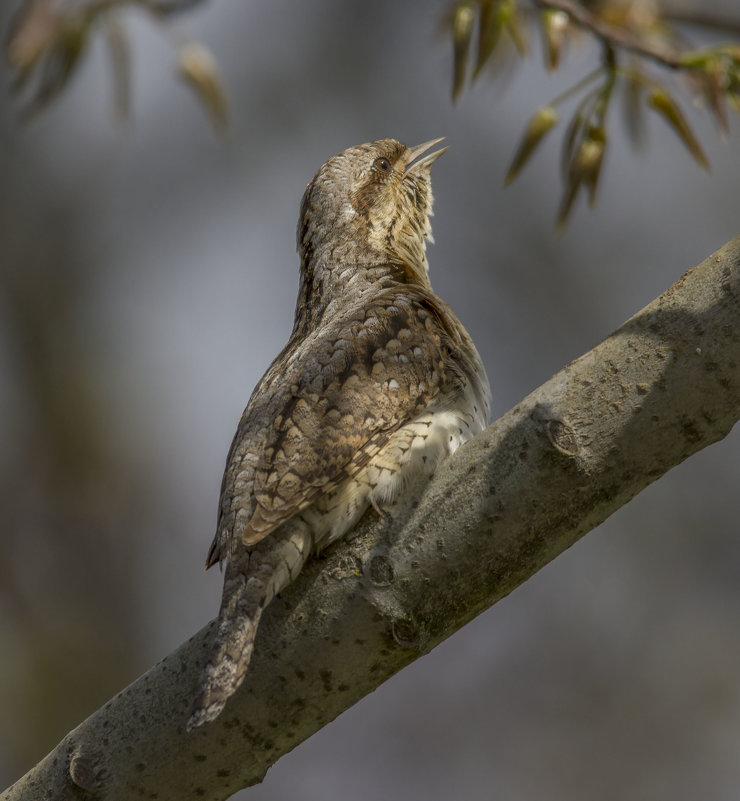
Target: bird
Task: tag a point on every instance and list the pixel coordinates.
(377, 384)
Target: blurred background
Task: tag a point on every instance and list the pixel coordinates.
(148, 277)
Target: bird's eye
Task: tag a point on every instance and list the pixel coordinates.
(383, 165)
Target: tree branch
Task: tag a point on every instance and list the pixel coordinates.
(610, 34)
(663, 386)
(702, 19)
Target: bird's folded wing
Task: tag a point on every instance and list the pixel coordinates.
(329, 403)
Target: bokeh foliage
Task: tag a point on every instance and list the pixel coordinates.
(47, 39)
(638, 41)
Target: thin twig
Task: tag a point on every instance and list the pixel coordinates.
(585, 19)
(703, 20)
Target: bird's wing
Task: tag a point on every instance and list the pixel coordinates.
(330, 402)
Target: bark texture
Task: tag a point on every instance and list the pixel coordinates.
(663, 386)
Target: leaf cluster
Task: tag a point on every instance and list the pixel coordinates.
(635, 37)
(47, 39)
(640, 47)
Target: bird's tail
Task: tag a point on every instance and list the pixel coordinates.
(253, 578)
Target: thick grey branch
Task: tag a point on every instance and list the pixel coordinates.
(663, 386)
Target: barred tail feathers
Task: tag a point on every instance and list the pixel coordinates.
(253, 578)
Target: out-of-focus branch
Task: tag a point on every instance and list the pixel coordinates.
(663, 386)
(623, 38)
(703, 19)
(612, 35)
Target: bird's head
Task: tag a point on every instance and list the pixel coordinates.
(370, 205)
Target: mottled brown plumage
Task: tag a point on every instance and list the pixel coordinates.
(378, 382)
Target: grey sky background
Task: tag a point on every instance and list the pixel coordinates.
(610, 674)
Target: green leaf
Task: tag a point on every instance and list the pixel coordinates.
(538, 127)
(583, 171)
(589, 158)
(554, 28)
(566, 204)
(462, 32)
(512, 23)
(666, 106)
(198, 68)
(489, 32)
(633, 106)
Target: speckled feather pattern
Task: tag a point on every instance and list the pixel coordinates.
(378, 382)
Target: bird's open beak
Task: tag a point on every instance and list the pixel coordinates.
(427, 161)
